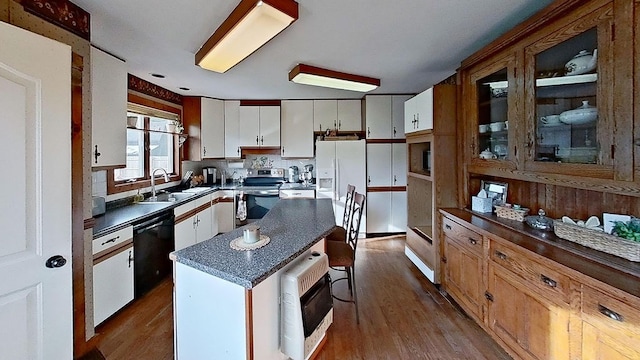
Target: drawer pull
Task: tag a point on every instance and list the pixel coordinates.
(111, 240)
(448, 227)
(610, 313)
(473, 241)
(130, 257)
(548, 281)
(500, 255)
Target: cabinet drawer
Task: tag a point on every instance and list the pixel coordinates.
(201, 201)
(463, 236)
(611, 315)
(551, 283)
(104, 243)
(183, 209)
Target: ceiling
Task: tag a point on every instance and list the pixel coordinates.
(408, 44)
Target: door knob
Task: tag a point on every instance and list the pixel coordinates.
(55, 261)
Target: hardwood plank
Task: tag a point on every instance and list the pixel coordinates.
(402, 316)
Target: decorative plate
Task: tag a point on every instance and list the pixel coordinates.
(239, 244)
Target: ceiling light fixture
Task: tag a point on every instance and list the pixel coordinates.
(251, 24)
(311, 75)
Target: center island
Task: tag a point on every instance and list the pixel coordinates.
(226, 301)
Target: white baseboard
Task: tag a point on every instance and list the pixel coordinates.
(421, 266)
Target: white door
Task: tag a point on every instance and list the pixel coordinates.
(350, 169)
(397, 115)
(249, 126)
(325, 115)
(378, 212)
(297, 128)
(399, 165)
(35, 211)
(425, 110)
(211, 128)
(349, 115)
(378, 116)
(232, 129)
(379, 165)
(269, 125)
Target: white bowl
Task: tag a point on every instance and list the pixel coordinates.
(583, 115)
(497, 126)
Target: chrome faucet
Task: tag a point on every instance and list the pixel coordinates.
(153, 181)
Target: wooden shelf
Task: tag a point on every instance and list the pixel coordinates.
(420, 176)
(567, 80)
(425, 232)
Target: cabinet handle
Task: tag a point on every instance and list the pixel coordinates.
(473, 241)
(339, 124)
(548, 281)
(130, 257)
(488, 296)
(335, 124)
(368, 131)
(610, 313)
(501, 255)
(96, 153)
(447, 226)
(395, 180)
(204, 150)
(320, 127)
(368, 180)
(111, 240)
(443, 259)
(257, 139)
(261, 140)
(417, 120)
(283, 150)
(394, 131)
(238, 150)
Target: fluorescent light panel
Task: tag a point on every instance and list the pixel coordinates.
(311, 75)
(251, 24)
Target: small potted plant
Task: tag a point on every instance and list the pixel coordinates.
(175, 126)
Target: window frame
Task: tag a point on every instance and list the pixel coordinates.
(149, 108)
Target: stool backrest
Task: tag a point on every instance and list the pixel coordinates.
(356, 217)
(348, 205)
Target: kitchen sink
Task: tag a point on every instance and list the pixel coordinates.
(167, 198)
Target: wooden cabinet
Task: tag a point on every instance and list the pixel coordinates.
(343, 115)
(609, 325)
(297, 129)
(259, 126)
(204, 120)
(464, 269)
(112, 273)
(418, 112)
(384, 116)
(108, 110)
(232, 130)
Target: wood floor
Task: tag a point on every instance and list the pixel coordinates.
(402, 316)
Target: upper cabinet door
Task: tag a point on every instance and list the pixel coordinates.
(249, 126)
(325, 115)
(569, 108)
(108, 110)
(424, 110)
(212, 128)
(378, 116)
(398, 116)
(379, 165)
(410, 115)
(269, 125)
(399, 164)
(297, 128)
(232, 129)
(349, 115)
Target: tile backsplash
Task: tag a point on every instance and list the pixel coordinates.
(99, 183)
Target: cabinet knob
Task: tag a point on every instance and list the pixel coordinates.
(610, 313)
(500, 255)
(488, 296)
(55, 261)
(473, 241)
(548, 281)
(368, 180)
(96, 153)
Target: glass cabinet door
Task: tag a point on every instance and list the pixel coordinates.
(566, 101)
(493, 115)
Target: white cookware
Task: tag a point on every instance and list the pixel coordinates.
(582, 63)
(497, 126)
(582, 115)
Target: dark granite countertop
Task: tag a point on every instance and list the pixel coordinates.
(118, 218)
(609, 269)
(293, 226)
(297, 186)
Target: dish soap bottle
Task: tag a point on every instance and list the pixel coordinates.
(138, 197)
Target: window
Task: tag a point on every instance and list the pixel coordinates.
(149, 146)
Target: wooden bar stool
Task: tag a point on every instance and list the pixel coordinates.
(340, 232)
(342, 255)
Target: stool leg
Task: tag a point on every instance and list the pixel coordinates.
(354, 292)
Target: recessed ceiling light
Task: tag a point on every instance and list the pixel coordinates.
(160, 76)
(184, 88)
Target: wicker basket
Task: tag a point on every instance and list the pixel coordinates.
(511, 213)
(341, 137)
(598, 240)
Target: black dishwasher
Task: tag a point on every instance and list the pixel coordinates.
(152, 242)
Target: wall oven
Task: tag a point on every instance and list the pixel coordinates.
(259, 194)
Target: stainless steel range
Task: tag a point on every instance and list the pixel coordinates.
(259, 194)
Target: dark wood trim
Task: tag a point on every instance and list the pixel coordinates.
(89, 223)
(192, 121)
(308, 69)
(248, 308)
(147, 88)
(250, 150)
(225, 199)
(62, 13)
(385, 188)
(111, 252)
(112, 167)
(386, 141)
(78, 223)
(137, 99)
(545, 16)
(260, 102)
(183, 217)
(288, 7)
(203, 207)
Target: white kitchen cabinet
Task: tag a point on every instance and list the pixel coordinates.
(386, 164)
(297, 129)
(232, 129)
(212, 124)
(223, 212)
(184, 233)
(384, 116)
(419, 112)
(259, 125)
(386, 212)
(194, 222)
(204, 228)
(108, 110)
(112, 273)
(344, 115)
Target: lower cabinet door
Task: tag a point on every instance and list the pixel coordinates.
(398, 221)
(112, 283)
(225, 216)
(378, 212)
(185, 233)
(463, 273)
(204, 229)
(531, 325)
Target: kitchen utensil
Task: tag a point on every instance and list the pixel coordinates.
(251, 234)
(582, 63)
(582, 115)
(540, 221)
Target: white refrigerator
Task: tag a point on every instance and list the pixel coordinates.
(339, 163)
